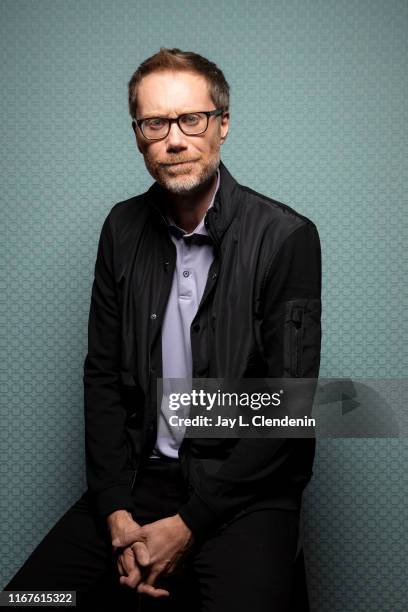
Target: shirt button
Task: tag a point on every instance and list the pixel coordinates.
(186, 273)
(196, 327)
(153, 315)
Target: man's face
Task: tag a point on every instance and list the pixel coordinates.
(170, 94)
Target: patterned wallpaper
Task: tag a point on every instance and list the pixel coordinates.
(318, 121)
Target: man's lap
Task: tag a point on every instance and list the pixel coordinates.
(246, 563)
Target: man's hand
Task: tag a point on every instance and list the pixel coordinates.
(132, 558)
(168, 541)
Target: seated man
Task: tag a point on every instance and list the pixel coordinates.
(198, 277)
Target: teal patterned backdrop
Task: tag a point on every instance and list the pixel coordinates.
(319, 119)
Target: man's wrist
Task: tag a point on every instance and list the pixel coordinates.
(184, 526)
(118, 517)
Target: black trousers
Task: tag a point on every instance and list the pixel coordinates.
(248, 564)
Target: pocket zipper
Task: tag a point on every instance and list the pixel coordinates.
(134, 478)
(297, 319)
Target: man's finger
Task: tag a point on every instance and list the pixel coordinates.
(147, 586)
(148, 589)
(120, 566)
(141, 553)
(128, 560)
(132, 579)
(133, 574)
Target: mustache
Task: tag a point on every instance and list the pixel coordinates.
(176, 161)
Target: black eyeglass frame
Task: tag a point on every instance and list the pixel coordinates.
(214, 113)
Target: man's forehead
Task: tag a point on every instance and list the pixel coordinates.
(165, 93)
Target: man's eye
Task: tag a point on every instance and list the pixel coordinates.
(190, 119)
(155, 123)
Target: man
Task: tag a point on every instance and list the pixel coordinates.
(198, 277)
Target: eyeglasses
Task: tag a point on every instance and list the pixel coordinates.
(191, 124)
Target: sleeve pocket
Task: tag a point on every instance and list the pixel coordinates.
(302, 338)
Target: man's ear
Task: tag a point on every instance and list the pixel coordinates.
(134, 128)
(224, 127)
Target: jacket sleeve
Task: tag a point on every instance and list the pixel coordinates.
(293, 282)
(107, 473)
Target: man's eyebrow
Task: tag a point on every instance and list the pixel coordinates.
(158, 114)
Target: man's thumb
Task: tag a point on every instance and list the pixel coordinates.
(127, 538)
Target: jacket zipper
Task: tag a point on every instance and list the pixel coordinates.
(161, 314)
(217, 247)
(215, 264)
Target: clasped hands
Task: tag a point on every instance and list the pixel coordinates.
(145, 552)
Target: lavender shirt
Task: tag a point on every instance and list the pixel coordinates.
(194, 257)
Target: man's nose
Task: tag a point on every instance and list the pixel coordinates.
(175, 137)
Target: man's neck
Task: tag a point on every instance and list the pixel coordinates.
(188, 210)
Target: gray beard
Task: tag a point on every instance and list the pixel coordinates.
(187, 184)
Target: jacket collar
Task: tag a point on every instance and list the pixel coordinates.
(220, 215)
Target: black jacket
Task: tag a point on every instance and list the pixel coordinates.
(259, 317)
